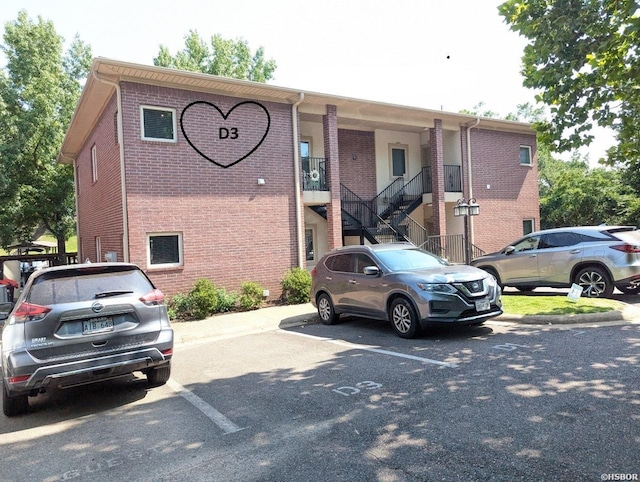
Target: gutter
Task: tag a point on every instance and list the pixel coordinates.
(296, 180)
(125, 217)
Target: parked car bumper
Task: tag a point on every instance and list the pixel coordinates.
(455, 309)
(66, 374)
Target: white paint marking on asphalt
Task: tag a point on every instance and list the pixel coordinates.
(373, 349)
(216, 417)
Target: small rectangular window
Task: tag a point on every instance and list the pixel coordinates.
(164, 250)
(525, 155)
(94, 164)
(527, 226)
(158, 124)
(308, 236)
(398, 162)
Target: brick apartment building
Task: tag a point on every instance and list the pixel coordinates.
(195, 176)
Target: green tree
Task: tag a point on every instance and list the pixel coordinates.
(582, 58)
(224, 57)
(39, 89)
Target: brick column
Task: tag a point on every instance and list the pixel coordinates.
(334, 214)
(465, 162)
(437, 178)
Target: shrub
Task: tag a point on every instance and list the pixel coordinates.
(296, 286)
(180, 307)
(225, 301)
(204, 298)
(251, 295)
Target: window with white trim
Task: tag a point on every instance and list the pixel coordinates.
(525, 155)
(158, 124)
(528, 226)
(398, 157)
(164, 250)
(94, 164)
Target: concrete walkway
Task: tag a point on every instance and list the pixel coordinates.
(234, 324)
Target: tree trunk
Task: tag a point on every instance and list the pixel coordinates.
(62, 251)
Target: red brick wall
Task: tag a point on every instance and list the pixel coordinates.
(512, 195)
(358, 174)
(233, 229)
(100, 203)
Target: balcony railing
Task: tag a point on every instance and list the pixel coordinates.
(314, 174)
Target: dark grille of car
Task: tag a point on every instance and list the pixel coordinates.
(474, 286)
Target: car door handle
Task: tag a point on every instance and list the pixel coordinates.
(353, 282)
(575, 251)
(328, 278)
(533, 255)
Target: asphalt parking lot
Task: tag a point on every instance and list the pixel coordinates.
(283, 397)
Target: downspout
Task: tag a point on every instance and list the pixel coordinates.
(296, 180)
(125, 218)
(469, 174)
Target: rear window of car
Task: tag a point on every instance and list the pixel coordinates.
(630, 237)
(84, 285)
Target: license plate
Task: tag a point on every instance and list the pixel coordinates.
(483, 305)
(97, 325)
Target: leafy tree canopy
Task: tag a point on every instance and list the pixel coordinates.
(227, 58)
(39, 89)
(582, 58)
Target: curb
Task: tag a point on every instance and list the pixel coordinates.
(628, 313)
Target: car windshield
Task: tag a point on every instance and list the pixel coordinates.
(409, 259)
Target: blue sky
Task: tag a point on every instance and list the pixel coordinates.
(447, 55)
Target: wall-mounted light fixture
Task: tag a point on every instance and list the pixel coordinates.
(261, 182)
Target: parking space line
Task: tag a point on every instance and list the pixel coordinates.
(372, 349)
(216, 417)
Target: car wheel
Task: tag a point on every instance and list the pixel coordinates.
(404, 318)
(14, 405)
(159, 375)
(630, 289)
(327, 313)
(595, 283)
(525, 289)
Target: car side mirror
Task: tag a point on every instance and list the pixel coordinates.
(509, 250)
(371, 270)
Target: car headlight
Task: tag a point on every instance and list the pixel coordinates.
(437, 287)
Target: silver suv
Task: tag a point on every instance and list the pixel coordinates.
(403, 284)
(597, 258)
(79, 324)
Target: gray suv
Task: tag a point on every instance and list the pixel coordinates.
(597, 258)
(78, 324)
(403, 284)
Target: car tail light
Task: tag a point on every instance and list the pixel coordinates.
(314, 272)
(627, 248)
(21, 378)
(30, 312)
(153, 298)
(168, 352)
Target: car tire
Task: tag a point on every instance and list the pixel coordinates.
(326, 311)
(159, 375)
(14, 405)
(629, 289)
(403, 318)
(525, 289)
(595, 282)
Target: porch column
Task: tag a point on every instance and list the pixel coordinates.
(437, 178)
(334, 214)
(465, 162)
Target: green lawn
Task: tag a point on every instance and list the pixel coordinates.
(556, 305)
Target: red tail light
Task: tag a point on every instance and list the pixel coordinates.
(21, 378)
(30, 312)
(627, 248)
(153, 298)
(313, 272)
